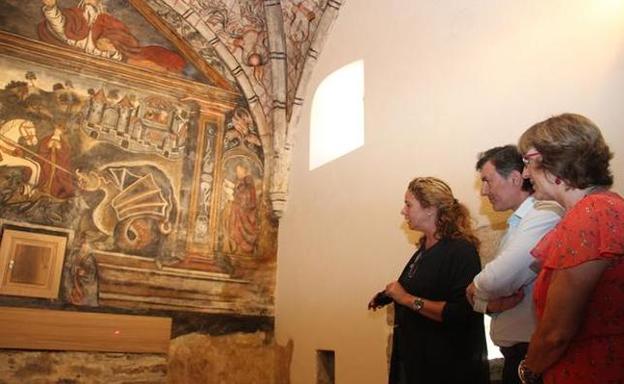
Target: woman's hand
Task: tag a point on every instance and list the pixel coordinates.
(396, 291)
(379, 300)
(372, 304)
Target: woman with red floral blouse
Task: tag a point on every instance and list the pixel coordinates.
(579, 293)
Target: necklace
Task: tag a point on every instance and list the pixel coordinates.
(418, 259)
(414, 264)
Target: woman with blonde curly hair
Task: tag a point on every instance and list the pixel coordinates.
(437, 337)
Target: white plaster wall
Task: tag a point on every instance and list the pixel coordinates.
(444, 81)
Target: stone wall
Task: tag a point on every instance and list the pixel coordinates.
(45, 367)
(233, 359)
(239, 358)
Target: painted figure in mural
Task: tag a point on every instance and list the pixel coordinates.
(83, 275)
(56, 176)
(12, 153)
(438, 338)
(241, 129)
(182, 128)
(242, 214)
(91, 29)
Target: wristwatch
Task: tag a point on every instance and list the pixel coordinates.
(418, 304)
(527, 376)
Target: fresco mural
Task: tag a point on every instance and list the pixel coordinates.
(301, 19)
(44, 131)
(88, 27)
(108, 29)
(144, 128)
(165, 193)
(242, 27)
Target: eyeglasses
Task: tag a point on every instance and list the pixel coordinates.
(526, 159)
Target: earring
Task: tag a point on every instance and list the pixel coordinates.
(557, 181)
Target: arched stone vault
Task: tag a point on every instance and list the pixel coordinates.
(274, 77)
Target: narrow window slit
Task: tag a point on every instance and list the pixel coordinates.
(325, 365)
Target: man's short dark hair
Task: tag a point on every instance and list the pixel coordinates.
(505, 160)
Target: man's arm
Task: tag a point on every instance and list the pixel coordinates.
(497, 305)
(509, 271)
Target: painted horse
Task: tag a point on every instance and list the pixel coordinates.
(11, 152)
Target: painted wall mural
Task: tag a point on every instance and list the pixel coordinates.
(110, 29)
(264, 50)
(165, 192)
(301, 19)
(156, 135)
(87, 26)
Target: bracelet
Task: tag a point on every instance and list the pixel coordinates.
(527, 376)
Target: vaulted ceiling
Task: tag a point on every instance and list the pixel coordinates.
(265, 48)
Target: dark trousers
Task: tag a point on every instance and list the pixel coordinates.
(513, 356)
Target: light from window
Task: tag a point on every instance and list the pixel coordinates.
(493, 351)
(337, 118)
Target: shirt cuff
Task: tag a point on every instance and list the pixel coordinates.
(480, 305)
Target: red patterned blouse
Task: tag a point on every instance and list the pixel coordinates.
(593, 229)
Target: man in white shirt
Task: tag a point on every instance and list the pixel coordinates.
(509, 278)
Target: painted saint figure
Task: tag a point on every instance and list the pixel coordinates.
(83, 277)
(56, 178)
(92, 30)
(242, 215)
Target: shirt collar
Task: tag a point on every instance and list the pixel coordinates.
(521, 211)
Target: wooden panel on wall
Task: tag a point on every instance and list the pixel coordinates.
(28, 328)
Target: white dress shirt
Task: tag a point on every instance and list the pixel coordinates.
(509, 271)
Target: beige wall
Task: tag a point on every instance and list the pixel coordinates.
(444, 80)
